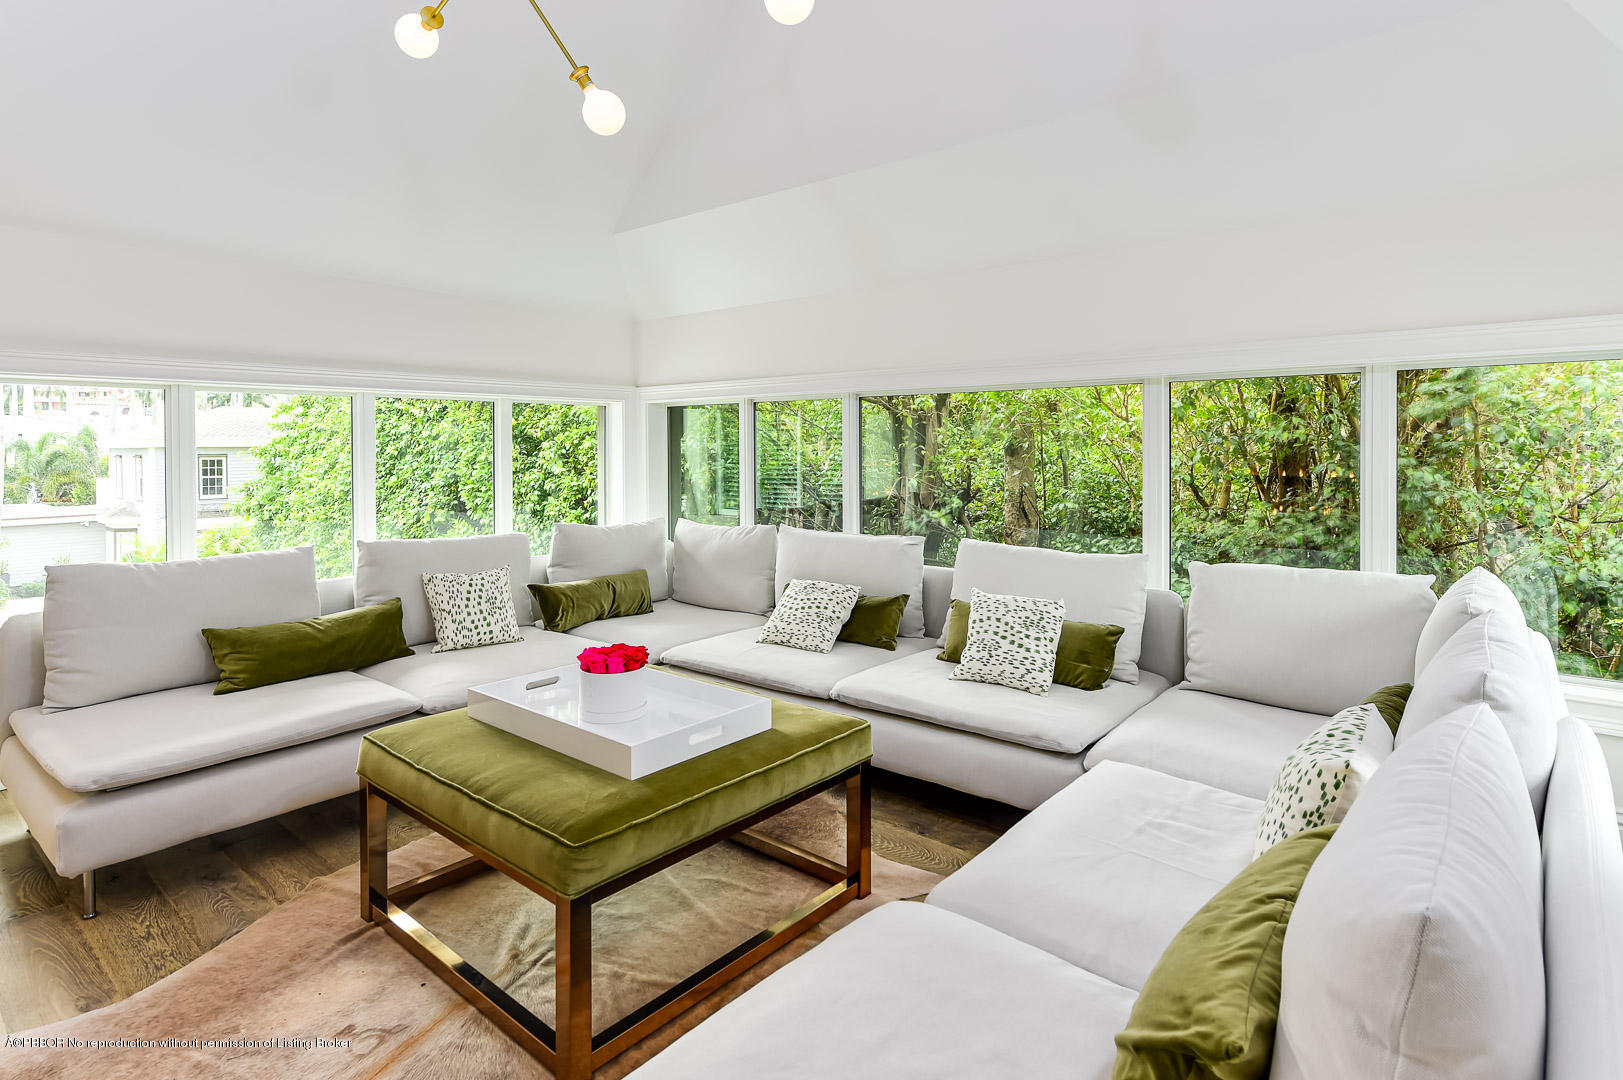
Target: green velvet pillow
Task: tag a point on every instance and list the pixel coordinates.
(1087, 651)
(1211, 1003)
(1087, 654)
(569, 604)
(875, 621)
(250, 656)
(1390, 702)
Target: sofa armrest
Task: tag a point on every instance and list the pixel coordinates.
(22, 666)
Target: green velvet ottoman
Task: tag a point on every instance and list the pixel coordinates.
(575, 834)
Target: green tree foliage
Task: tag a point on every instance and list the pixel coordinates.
(1059, 468)
(798, 446)
(703, 441)
(434, 475)
(63, 468)
(302, 492)
(1265, 470)
(435, 462)
(1517, 468)
(555, 467)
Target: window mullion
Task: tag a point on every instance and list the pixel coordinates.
(851, 462)
(1157, 507)
(746, 462)
(502, 467)
(363, 457)
(1378, 470)
(180, 472)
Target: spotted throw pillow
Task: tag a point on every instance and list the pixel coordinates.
(1320, 780)
(470, 610)
(1012, 641)
(809, 615)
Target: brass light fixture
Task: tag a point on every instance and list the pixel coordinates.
(418, 35)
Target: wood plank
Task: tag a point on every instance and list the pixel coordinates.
(139, 935)
(216, 897)
(63, 975)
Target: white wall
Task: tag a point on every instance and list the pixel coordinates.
(62, 292)
(1479, 256)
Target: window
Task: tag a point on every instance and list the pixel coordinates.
(63, 502)
(798, 447)
(274, 472)
(555, 467)
(703, 463)
(435, 467)
(1058, 468)
(211, 477)
(1265, 470)
(1516, 468)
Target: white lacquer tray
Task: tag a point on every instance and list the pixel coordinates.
(683, 719)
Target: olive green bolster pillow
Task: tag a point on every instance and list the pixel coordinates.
(875, 621)
(250, 656)
(1086, 656)
(1390, 701)
(569, 604)
(1211, 1004)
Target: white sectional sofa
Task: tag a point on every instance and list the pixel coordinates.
(1027, 962)
(1465, 921)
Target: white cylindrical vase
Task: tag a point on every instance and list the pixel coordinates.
(614, 698)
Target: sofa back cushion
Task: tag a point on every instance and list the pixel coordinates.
(1416, 948)
(1104, 589)
(579, 552)
(1474, 594)
(1583, 894)
(876, 565)
(114, 630)
(1491, 659)
(388, 568)
(1315, 641)
(725, 567)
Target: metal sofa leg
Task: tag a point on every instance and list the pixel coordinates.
(90, 895)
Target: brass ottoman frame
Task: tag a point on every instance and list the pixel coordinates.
(572, 1051)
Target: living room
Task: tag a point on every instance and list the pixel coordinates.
(759, 538)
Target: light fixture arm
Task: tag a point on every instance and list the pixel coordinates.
(558, 40)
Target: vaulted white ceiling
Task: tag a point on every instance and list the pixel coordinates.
(879, 139)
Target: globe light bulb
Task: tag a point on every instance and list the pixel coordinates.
(415, 40)
(789, 12)
(603, 110)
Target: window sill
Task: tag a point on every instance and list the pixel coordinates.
(1599, 703)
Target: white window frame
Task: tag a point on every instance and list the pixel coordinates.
(203, 495)
(1375, 358)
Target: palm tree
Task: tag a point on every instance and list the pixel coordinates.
(62, 468)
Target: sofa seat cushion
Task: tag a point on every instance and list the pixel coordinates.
(910, 992)
(1226, 742)
(135, 739)
(739, 656)
(1065, 719)
(574, 827)
(439, 681)
(1107, 872)
(670, 624)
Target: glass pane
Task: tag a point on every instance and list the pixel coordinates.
(1059, 468)
(1517, 468)
(555, 464)
(84, 482)
(435, 468)
(1265, 471)
(798, 446)
(704, 463)
(273, 471)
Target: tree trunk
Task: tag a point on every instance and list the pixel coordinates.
(1022, 511)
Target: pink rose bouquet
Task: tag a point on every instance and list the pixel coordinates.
(613, 659)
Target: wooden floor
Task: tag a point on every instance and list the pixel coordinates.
(162, 911)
